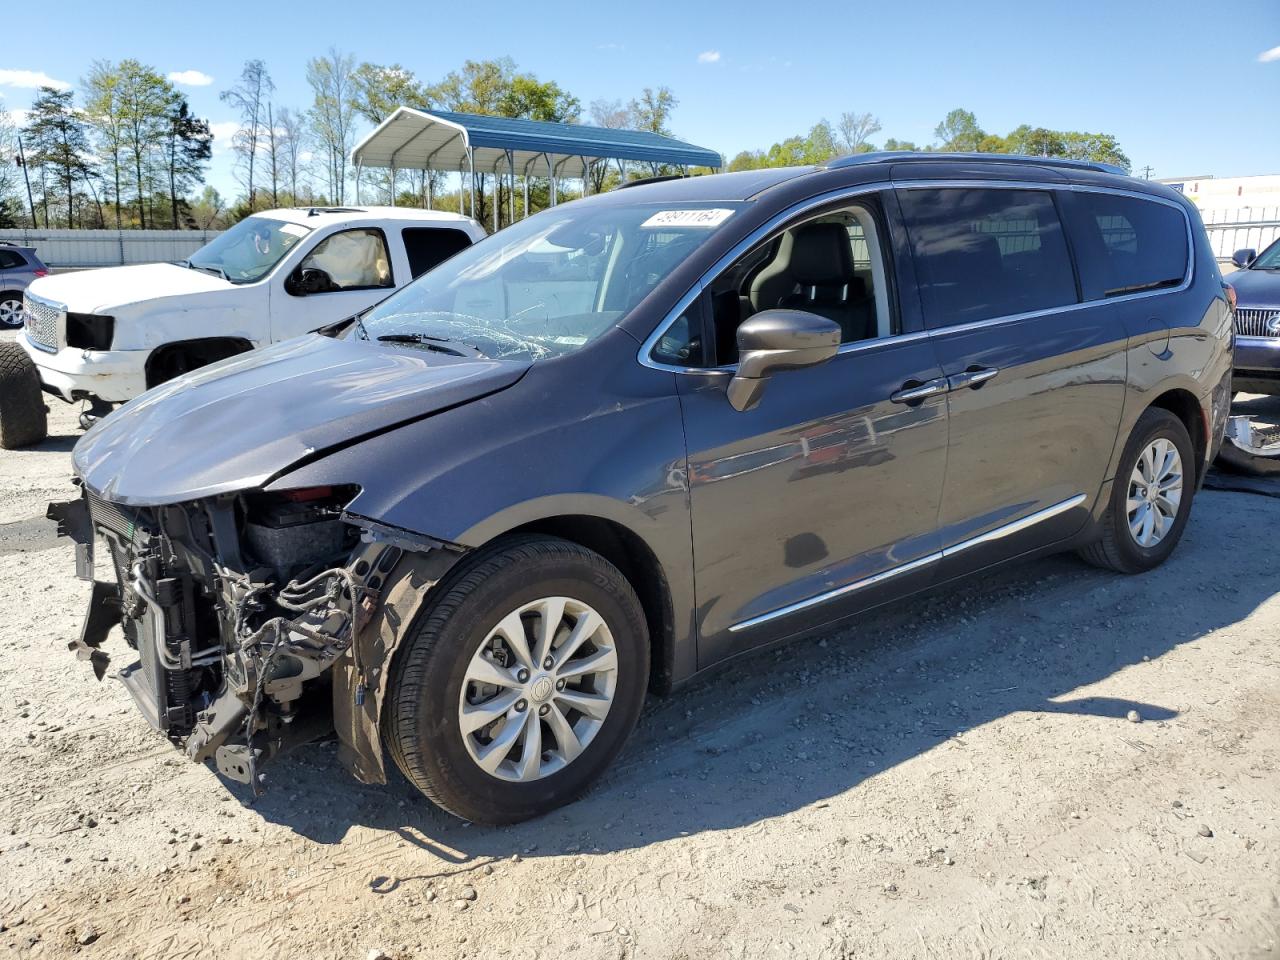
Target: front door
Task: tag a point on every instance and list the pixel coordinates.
(1036, 379)
(344, 273)
(822, 499)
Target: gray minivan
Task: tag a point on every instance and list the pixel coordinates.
(635, 435)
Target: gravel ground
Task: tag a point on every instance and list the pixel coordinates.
(961, 776)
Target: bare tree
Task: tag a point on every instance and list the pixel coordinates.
(855, 129)
(332, 115)
(291, 133)
(251, 97)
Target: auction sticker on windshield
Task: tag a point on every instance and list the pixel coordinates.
(688, 218)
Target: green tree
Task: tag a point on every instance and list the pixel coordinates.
(104, 111)
(145, 99)
(959, 130)
(893, 144)
(58, 141)
(188, 147)
(376, 91)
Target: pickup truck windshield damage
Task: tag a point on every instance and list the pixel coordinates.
(240, 606)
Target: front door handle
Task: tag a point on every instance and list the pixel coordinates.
(913, 393)
(974, 377)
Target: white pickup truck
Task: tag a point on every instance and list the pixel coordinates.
(107, 335)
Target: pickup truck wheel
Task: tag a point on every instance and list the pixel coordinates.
(23, 416)
(520, 683)
(1150, 497)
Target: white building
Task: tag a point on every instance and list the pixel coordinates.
(1217, 193)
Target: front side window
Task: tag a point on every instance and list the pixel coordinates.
(547, 285)
(986, 253)
(1126, 245)
(831, 265)
(350, 260)
(248, 251)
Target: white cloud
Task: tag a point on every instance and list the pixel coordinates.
(610, 46)
(1268, 56)
(30, 79)
(709, 56)
(305, 156)
(190, 78)
(224, 132)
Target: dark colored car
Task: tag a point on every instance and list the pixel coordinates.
(18, 267)
(633, 436)
(1257, 286)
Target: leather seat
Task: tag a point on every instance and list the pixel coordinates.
(813, 270)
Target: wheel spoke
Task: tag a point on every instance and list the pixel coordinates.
(475, 716)
(566, 740)
(512, 631)
(591, 704)
(1136, 521)
(550, 613)
(531, 748)
(598, 662)
(491, 757)
(484, 670)
(1148, 526)
(588, 623)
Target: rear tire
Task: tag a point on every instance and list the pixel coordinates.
(11, 316)
(1119, 548)
(23, 417)
(432, 681)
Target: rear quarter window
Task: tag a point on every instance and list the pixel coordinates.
(427, 247)
(10, 259)
(984, 253)
(1125, 244)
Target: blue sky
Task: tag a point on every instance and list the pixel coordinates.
(1188, 88)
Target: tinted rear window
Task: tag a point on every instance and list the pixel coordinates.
(11, 258)
(984, 253)
(429, 246)
(1124, 244)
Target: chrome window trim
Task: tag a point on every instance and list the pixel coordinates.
(646, 348)
(1016, 526)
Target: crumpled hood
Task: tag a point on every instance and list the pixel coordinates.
(109, 288)
(235, 424)
(1256, 288)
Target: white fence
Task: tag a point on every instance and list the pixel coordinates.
(1232, 230)
(109, 248)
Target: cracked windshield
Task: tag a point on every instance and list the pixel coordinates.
(545, 286)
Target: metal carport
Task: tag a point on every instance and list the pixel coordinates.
(470, 144)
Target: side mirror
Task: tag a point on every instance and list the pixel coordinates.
(777, 340)
(309, 280)
(1242, 258)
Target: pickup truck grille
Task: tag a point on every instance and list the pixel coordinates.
(1256, 321)
(41, 321)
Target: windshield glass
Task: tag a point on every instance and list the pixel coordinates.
(547, 285)
(249, 250)
(1269, 260)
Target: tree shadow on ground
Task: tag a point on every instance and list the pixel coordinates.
(785, 728)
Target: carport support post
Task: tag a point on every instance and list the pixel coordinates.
(511, 196)
(471, 170)
(551, 180)
(393, 183)
(622, 171)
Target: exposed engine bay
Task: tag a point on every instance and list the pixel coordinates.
(238, 607)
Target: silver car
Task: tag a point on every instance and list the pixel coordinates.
(18, 267)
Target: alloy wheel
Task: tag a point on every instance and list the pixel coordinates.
(11, 313)
(538, 689)
(1155, 491)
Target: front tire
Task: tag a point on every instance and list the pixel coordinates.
(1150, 496)
(519, 684)
(24, 419)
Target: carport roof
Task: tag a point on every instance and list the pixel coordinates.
(412, 139)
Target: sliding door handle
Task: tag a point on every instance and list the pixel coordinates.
(971, 378)
(913, 392)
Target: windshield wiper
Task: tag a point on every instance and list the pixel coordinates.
(439, 344)
(207, 268)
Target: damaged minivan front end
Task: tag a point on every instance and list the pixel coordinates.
(255, 617)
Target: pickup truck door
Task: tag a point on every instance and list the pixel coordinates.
(343, 272)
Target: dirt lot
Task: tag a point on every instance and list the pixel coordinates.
(953, 778)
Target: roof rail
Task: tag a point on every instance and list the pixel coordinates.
(888, 156)
(643, 180)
